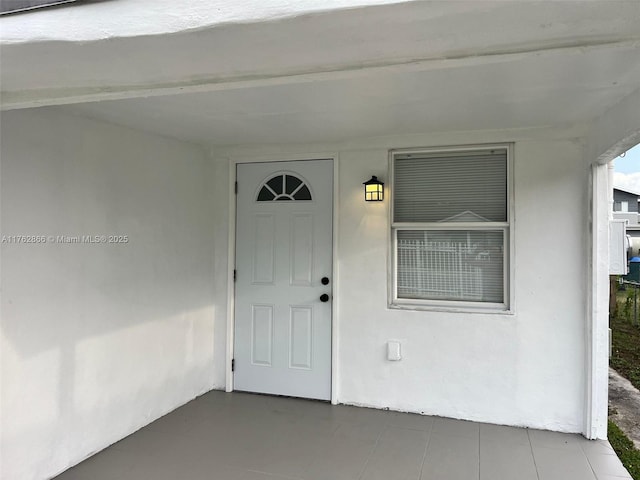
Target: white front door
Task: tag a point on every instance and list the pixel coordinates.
(283, 278)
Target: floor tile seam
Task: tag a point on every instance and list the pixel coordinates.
(607, 454)
(317, 418)
(533, 456)
(479, 452)
(564, 448)
(601, 451)
(269, 474)
(609, 474)
(252, 467)
(578, 450)
(558, 449)
(556, 444)
(383, 426)
(411, 428)
(424, 455)
(319, 449)
(627, 477)
(602, 443)
(493, 441)
(447, 431)
(402, 427)
(373, 449)
(456, 435)
(444, 421)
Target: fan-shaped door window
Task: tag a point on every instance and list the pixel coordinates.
(284, 186)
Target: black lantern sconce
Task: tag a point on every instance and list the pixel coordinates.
(373, 190)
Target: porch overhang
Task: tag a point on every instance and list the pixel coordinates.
(353, 71)
(255, 83)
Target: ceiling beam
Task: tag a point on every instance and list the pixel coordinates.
(12, 100)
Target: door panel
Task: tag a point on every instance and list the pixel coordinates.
(283, 250)
(262, 335)
(301, 251)
(263, 249)
(300, 339)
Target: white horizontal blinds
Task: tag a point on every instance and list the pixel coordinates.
(461, 186)
(462, 265)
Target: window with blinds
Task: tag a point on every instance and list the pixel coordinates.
(451, 227)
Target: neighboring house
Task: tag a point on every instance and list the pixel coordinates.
(135, 278)
(625, 207)
(625, 201)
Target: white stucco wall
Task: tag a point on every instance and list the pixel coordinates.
(525, 369)
(100, 339)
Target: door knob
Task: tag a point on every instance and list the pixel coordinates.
(324, 297)
(325, 281)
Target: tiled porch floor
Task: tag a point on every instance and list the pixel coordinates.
(252, 437)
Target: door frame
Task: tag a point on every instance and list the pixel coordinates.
(231, 255)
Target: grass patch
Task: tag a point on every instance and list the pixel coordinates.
(625, 358)
(629, 456)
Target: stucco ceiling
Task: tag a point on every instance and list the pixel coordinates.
(344, 74)
(537, 91)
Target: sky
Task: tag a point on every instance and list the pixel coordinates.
(627, 170)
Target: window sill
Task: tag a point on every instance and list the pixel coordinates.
(452, 308)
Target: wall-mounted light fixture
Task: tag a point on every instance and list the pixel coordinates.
(373, 190)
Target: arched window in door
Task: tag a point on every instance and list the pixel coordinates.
(284, 186)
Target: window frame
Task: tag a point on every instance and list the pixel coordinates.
(507, 228)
